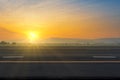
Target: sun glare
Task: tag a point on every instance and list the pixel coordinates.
(33, 37)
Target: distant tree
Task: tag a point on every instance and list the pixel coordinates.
(8, 43)
(3, 42)
(13, 43)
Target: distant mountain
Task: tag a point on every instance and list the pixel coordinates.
(65, 40)
(73, 40)
(109, 40)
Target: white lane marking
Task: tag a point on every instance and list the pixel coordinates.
(104, 56)
(10, 57)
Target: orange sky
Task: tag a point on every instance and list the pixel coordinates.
(62, 21)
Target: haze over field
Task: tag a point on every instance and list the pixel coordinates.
(35, 20)
(73, 40)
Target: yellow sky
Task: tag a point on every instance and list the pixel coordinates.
(67, 21)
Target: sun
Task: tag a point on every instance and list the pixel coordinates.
(33, 36)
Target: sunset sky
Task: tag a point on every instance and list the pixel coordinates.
(86, 19)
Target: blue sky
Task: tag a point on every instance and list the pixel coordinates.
(106, 6)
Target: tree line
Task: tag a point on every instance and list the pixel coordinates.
(5, 42)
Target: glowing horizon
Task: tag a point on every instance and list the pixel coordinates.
(87, 19)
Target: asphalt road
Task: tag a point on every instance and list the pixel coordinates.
(59, 62)
(37, 53)
(59, 70)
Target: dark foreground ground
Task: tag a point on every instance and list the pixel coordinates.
(67, 70)
(95, 65)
